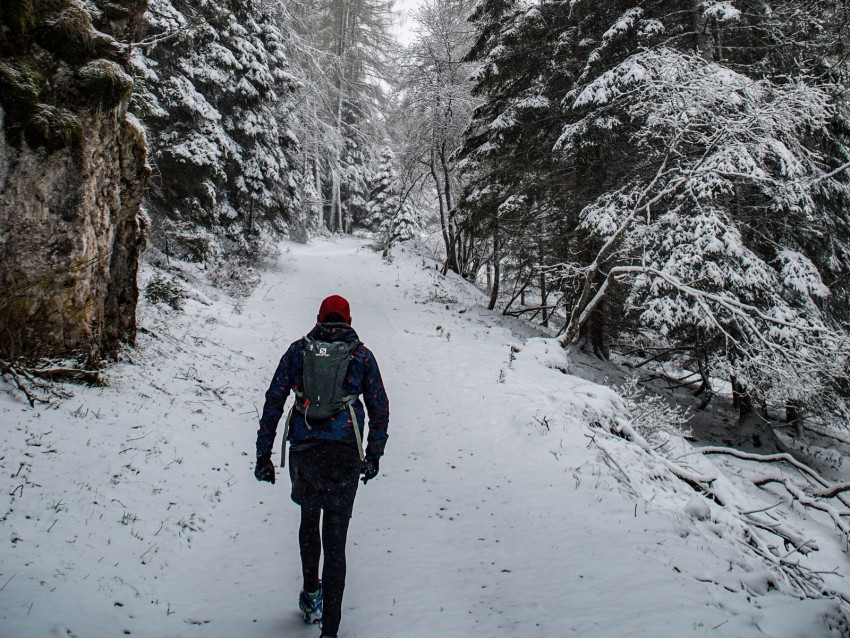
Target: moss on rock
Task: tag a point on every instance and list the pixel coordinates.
(69, 34)
(19, 18)
(53, 128)
(104, 84)
(21, 85)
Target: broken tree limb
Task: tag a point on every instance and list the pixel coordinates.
(808, 501)
(780, 457)
(9, 369)
(66, 374)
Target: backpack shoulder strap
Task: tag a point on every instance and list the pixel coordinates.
(297, 392)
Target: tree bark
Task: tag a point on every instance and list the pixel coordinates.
(497, 270)
(794, 416)
(600, 333)
(742, 400)
(544, 295)
(702, 39)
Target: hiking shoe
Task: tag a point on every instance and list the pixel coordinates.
(311, 605)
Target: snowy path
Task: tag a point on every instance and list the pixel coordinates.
(483, 521)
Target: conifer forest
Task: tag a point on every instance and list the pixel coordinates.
(660, 186)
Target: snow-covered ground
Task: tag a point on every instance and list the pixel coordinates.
(504, 506)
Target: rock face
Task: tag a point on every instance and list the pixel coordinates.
(73, 170)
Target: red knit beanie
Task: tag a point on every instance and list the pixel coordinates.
(335, 308)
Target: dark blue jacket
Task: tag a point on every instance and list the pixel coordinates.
(363, 378)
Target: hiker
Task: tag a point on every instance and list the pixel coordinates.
(327, 371)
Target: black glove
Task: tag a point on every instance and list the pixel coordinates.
(369, 469)
(264, 470)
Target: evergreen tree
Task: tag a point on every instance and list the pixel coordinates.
(214, 92)
(383, 196)
(678, 173)
(389, 210)
(403, 226)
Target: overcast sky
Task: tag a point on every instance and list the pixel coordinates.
(405, 24)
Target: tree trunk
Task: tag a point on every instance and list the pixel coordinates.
(544, 296)
(599, 333)
(342, 48)
(336, 201)
(448, 235)
(317, 168)
(497, 268)
(702, 39)
(794, 416)
(741, 399)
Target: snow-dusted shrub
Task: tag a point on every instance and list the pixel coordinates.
(234, 276)
(193, 244)
(160, 289)
(659, 422)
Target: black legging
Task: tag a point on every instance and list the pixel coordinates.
(334, 532)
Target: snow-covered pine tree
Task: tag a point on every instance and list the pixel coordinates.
(730, 227)
(382, 204)
(685, 177)
(389, 210)
(515, 193)
(215, 88)
(341, 48)
(404, 225)
(355, 166)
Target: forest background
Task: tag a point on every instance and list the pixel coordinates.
(664, 181)
(664, 178)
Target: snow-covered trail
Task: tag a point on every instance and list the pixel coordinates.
(491, 515)
(473, 528)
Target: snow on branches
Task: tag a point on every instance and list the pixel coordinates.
(780, 512)
(729, 224)
(388, 209)
(214, 90)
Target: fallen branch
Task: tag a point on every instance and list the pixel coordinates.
(9, 369)
(28, 380)
(517, 313)
(66, 374)
(698, 482)
(781, 457)
(807, 500)
(765, 536)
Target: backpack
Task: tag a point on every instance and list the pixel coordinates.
(325, 367)
(322, 394)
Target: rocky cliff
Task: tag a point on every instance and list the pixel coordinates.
(73, 169)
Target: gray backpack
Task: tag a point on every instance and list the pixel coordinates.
(322, 395)
(325, 367)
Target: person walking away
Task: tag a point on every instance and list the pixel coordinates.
(327, 371)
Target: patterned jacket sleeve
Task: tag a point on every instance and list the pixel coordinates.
(378, 407)
(276, 397)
